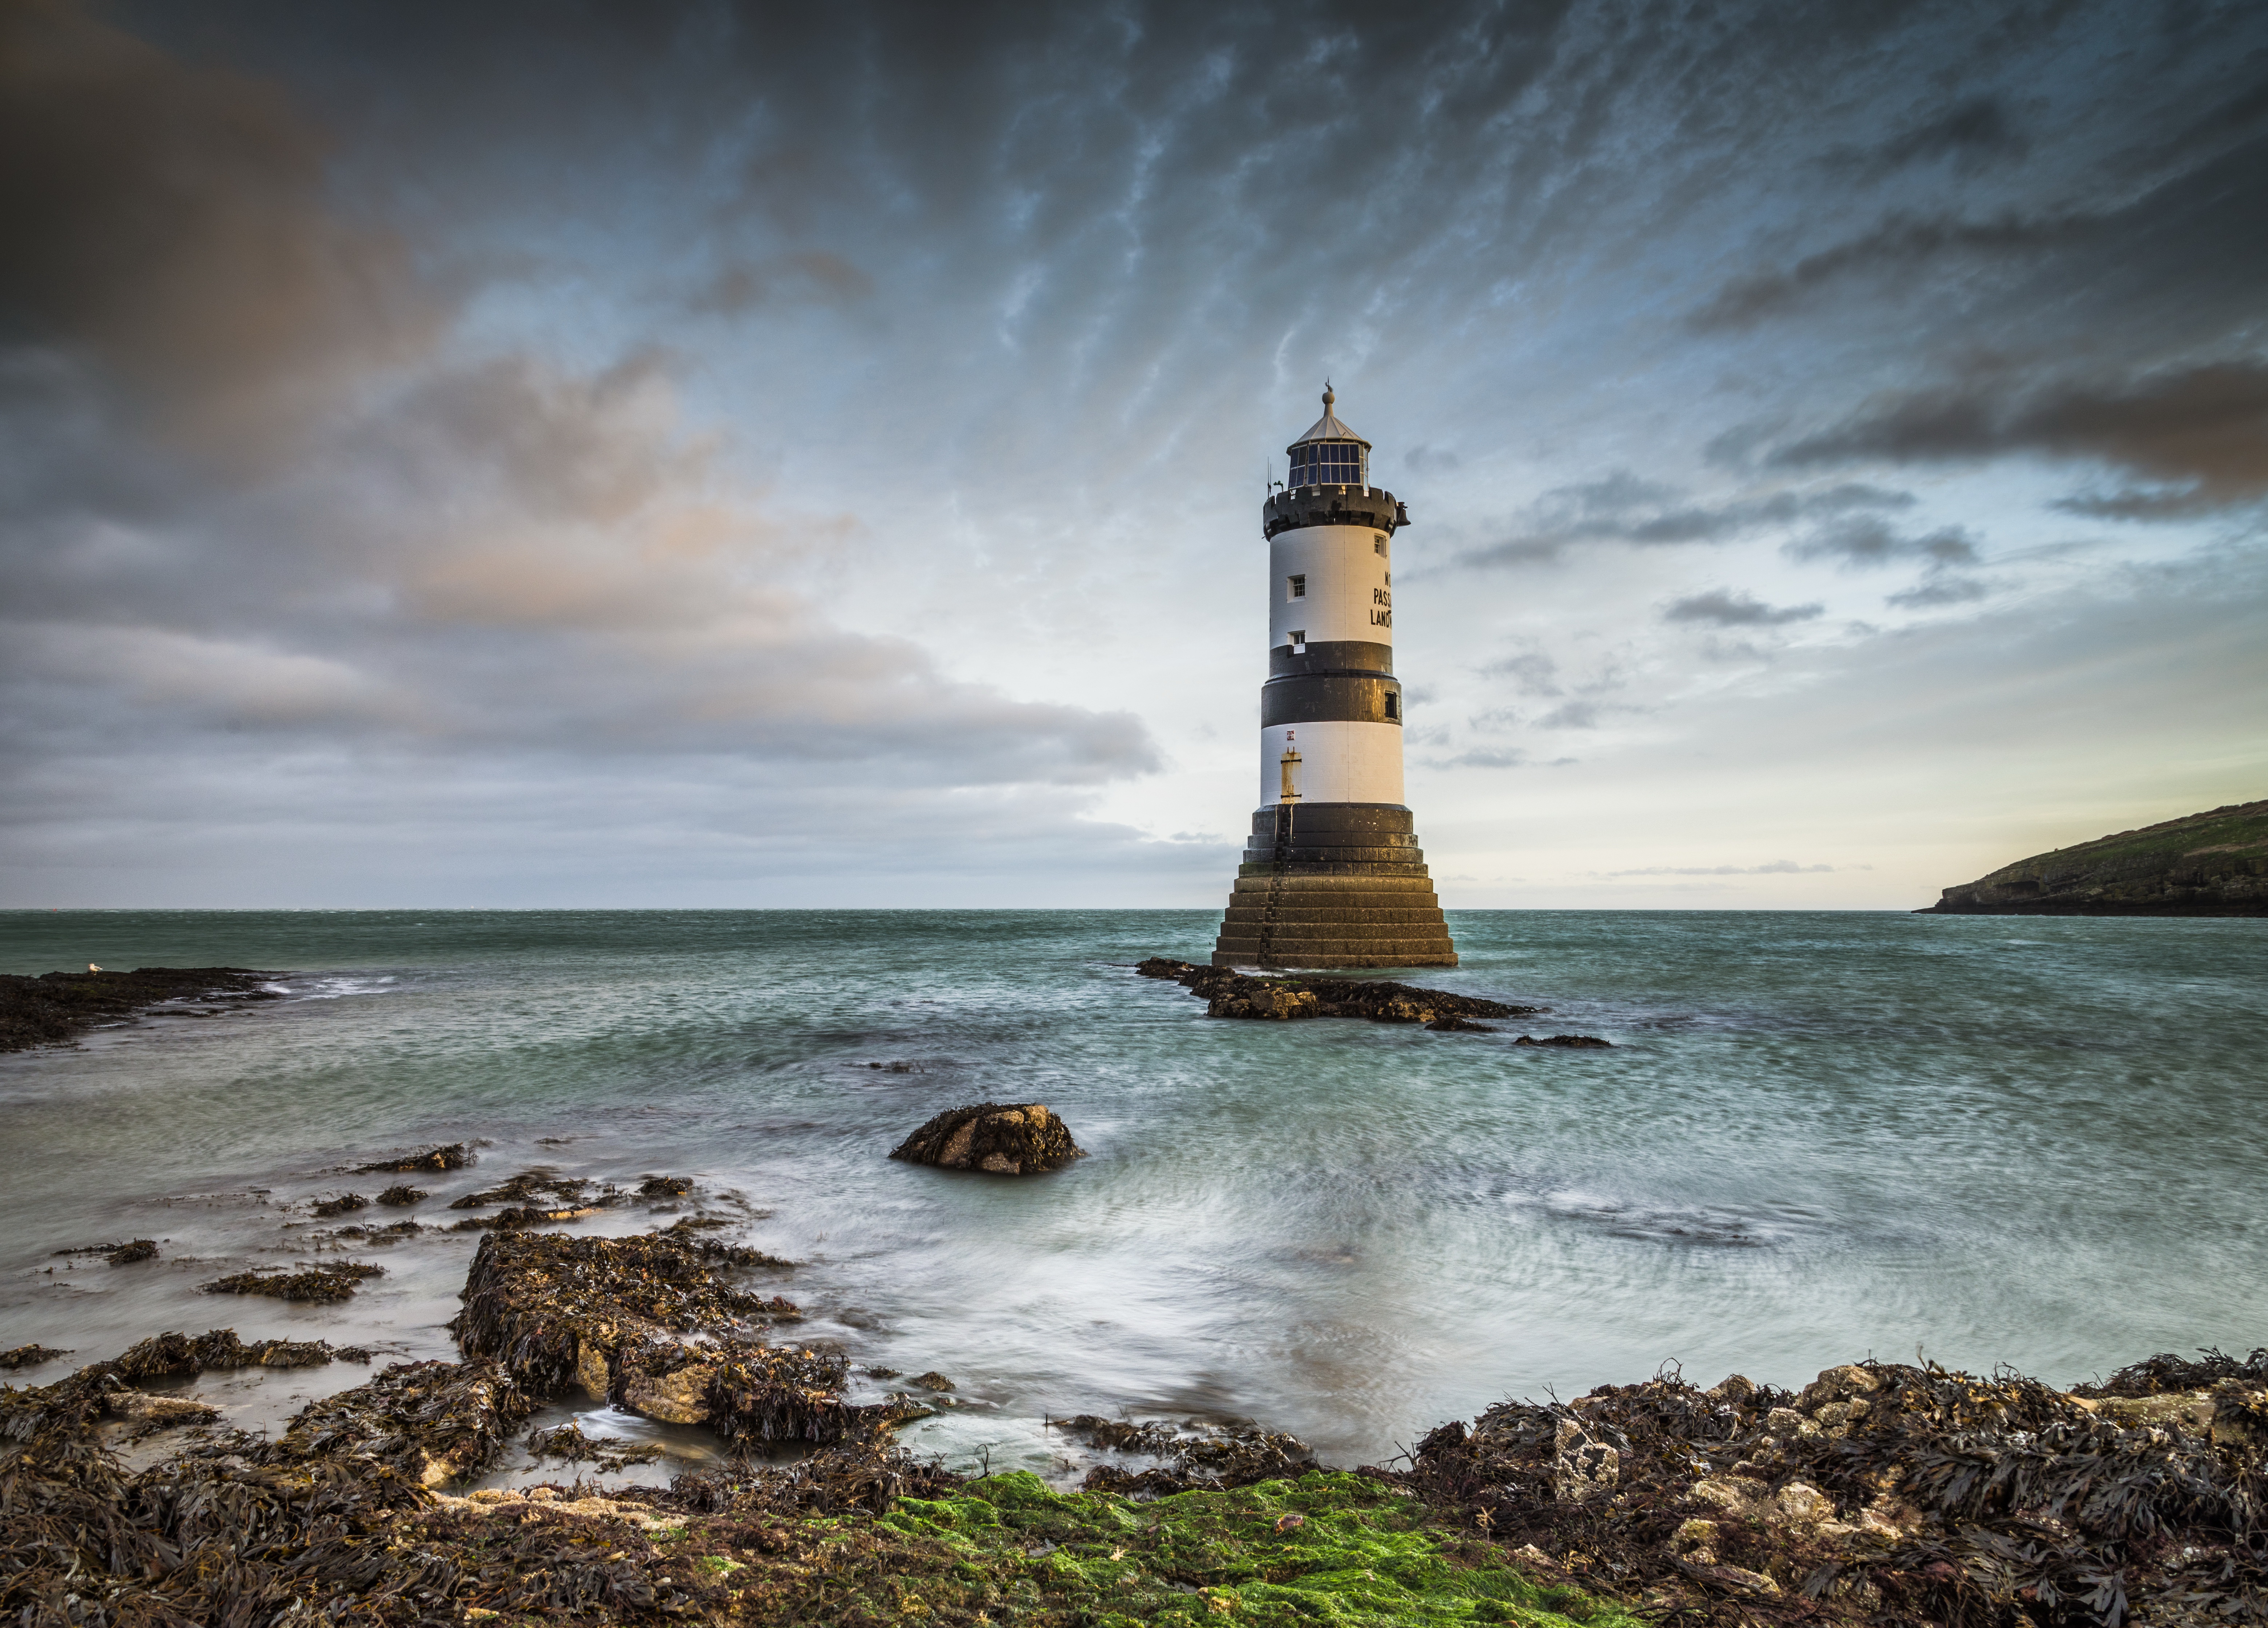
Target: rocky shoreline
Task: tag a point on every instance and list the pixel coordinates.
(1880, 1494)
(55, 1009)
(2210, 864)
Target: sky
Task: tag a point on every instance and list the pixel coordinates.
(686, 454)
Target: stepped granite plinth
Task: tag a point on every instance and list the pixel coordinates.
(1338, 885)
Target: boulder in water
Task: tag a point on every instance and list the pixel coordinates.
(1005, 1139)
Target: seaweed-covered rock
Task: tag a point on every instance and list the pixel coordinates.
(167, 1356)
(334, 1281)
(400, 1195)
(1004, 1139)
(29, 1356)
(1229, 993)
(118, 1254)
(345, 1204)
(553, 1308)
(1881, 1493)
(751, 1393)
(453, 1156)
(1570, 1042)
(1188, 1456)
(432, 1422)
(569, 1442)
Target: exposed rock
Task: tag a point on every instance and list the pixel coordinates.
(931, 1380)
(1229, 993)
(1584, 1463)
(2209, 865)
(1004, 1139)
(1575, 1041)
(56, 1007)
(159, 1412)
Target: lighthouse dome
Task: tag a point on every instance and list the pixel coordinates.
(1329, 454)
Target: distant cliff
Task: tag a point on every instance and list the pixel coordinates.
(2212, 864)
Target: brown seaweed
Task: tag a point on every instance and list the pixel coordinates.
(2166, 1372)
(1195, 1455)
(401, 1194)
(569, 1442)
(118, 1254)
(334, 1281)
(346, 1204)
(168, 1356)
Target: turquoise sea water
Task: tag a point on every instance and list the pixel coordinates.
(1820, 1136)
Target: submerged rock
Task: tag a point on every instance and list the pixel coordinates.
(453, 1156)
(1575, 1042)
(1003, 1139)
(29, 1356)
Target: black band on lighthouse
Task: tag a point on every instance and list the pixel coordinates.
(1334, 698)
(1331, 655)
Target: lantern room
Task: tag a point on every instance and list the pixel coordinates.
(1329, 454)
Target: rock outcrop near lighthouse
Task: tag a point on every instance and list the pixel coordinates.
(2209, 865)
(1002, 1139)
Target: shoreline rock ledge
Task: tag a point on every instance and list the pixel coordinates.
(1000, 1139)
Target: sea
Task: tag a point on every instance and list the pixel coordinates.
(1815, 1137)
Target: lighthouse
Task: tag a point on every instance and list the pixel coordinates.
(1332, 875)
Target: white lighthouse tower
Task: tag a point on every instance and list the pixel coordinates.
(1332, 876)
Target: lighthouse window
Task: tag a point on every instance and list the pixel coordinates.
(1298, 587)
(1327, 463)
(1393, 705)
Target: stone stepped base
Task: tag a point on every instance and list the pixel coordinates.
(1341, 901)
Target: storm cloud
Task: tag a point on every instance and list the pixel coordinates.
(744, 454)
